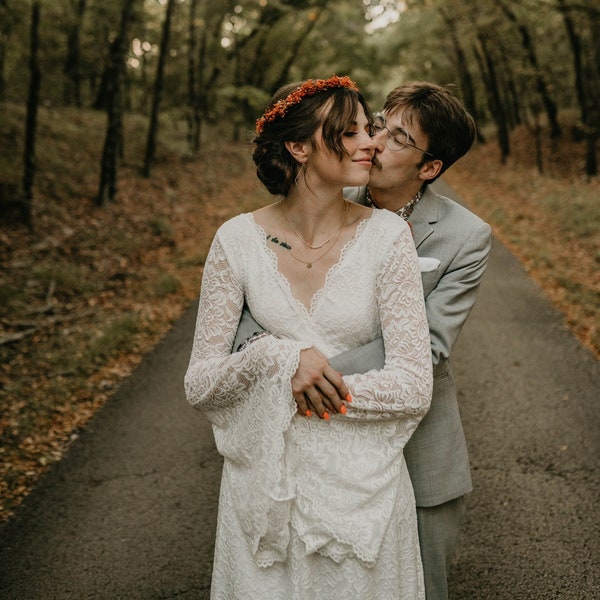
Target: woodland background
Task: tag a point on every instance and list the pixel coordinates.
(124, 130)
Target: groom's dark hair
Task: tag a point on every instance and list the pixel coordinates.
(449, 128)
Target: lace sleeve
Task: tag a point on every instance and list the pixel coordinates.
(247, 396)
(216, 379)
(403, 387)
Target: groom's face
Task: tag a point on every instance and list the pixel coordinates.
(393, 168)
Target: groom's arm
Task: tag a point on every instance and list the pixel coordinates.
(247, 328)
(358, 360)
(361, 359)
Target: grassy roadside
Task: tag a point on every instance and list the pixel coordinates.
(90, 291)
(550, 221)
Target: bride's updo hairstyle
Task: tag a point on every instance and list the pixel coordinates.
(294, 114)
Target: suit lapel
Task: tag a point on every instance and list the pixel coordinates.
(423, 216)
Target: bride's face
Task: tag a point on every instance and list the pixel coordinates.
(354, 167)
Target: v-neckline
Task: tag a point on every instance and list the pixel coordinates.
(285, 282)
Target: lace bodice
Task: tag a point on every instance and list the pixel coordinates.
(335, 482)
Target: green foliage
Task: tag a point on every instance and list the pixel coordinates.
(239, 51)
(232, 95)
(166, 285)
(117, 336)
(9, 295)
(162, 228)
(69, 278)
(578, 210)
(194, 261)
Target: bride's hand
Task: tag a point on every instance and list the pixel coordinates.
(317, 387)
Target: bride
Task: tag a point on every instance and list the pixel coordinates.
(315, 501)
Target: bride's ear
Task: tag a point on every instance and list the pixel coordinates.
(300, 151)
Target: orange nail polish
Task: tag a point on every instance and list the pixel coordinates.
(349, 398)
(308, 413)
(326, 416)
(343, 409)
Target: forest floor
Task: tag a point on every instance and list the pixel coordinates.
(88, 291)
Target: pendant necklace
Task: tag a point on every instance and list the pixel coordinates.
(322, 243)
(310, 263)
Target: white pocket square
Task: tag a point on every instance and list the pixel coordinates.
(428, 264)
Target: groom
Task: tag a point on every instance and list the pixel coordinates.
(422, 131)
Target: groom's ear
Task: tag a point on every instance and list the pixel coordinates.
(300, 151)
(430, 170)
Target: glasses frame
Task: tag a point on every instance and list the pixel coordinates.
(376, 130)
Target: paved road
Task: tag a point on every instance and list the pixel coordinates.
(129, 513)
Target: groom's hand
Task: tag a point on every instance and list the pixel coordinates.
(317, 387)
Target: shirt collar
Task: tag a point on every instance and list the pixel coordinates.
(404, 211)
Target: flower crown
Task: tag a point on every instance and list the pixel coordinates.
(308, 88)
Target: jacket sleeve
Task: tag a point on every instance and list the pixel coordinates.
(448, 305)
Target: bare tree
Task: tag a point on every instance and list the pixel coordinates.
(540, 81)
(114, 130)
(586, 105)
(72, 69)
(462, 67)
(284, 72)
(206, 66)
(4, 30)
(32, 109)
(158, 88)
(193, 113)
(489, 74)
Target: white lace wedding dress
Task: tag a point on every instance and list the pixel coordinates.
(313, 509)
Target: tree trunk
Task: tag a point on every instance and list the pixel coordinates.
(284, 73)
(4, 31)
(193, 113)
(72, 93)
(589, 130)
(205, 83)
(114, 131)
(536, 129)
(103, 91)
(540, 81)
(490, 78)
(31, 119)
(595, 33)
(464, 75)
(158, 88)
(198, 105)
(508, 88)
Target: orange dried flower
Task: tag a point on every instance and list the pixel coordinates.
(308, 88)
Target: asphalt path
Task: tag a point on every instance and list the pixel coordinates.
(130, 512)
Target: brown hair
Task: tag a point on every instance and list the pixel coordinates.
(449, 128)
(334, 108)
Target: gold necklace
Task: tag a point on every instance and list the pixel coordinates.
(310, 263)
(318, 246)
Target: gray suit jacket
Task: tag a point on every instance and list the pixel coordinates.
(436, 454)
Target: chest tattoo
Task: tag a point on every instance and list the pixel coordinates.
(276, 240)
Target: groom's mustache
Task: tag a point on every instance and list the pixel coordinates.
(376, 162)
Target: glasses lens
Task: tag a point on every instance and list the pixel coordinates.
(378, 125)
(398, 139)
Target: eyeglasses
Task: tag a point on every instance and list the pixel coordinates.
(397, 139)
